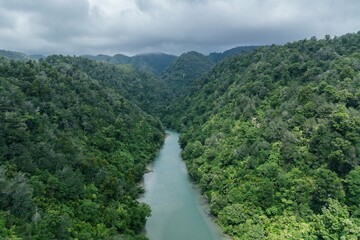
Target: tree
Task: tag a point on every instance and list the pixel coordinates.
(353, 187)
(328, 186)
(334, 223)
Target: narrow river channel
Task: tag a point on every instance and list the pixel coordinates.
(178, 210)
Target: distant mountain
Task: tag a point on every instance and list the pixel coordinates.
(177, 75)
(217, 57)
(37, 56)
(14, 55)
(153, 62)
(19, 55)
(180, 76)
(186, 68)
(99, 58)
(120, 58)
(183, 71)
(157, 62)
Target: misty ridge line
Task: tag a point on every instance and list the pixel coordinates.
(151, 62)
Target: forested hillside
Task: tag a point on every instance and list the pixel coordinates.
(178, 79)
(155, 82)
(273, 139)
(145, 89)
(18, 55)
(155, 94)
(185, 69)
(72, 151)
(217, 57)
(167, 64)
(152, 62)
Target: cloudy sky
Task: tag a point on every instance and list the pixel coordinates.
(172, 26)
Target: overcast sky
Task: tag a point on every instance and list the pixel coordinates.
(173, 26)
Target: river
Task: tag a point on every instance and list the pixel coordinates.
(178, 209)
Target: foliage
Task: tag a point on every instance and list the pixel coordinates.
(178, 79)
(18, 55)
(14, 55)
(144, 89)
(163, 81)
(72, 151)
(335, 223)
(272, 137)
(217, 57)
(154, 62)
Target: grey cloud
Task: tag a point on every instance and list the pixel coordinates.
(144, 5)
(173, 26)
(6, 20)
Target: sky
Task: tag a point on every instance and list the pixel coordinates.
(77, 27)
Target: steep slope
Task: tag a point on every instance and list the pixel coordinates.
(101, 58)
(19, 56)
(217, 57)
(152, 62)
(72, 151)
(154, 94)
(163, 79)
(178, 79)
(144, 89)
(273, 136)
(185, 69)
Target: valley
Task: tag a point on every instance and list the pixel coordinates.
(270, 134)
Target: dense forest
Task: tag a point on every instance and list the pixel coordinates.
(273, 139)
(146, 90)
(72, 151)
(19, 56)
(160, 63)
(153, 62)
(271, 135)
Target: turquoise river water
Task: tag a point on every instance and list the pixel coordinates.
(178, 209)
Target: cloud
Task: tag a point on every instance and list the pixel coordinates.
(173, 26)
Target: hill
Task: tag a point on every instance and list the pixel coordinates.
(152, 62)
(19, 56)
(181, 75)
(142, 88)
(161, 63)
(217, 57)
(72, 151)
(185, 69)
(272, 136)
